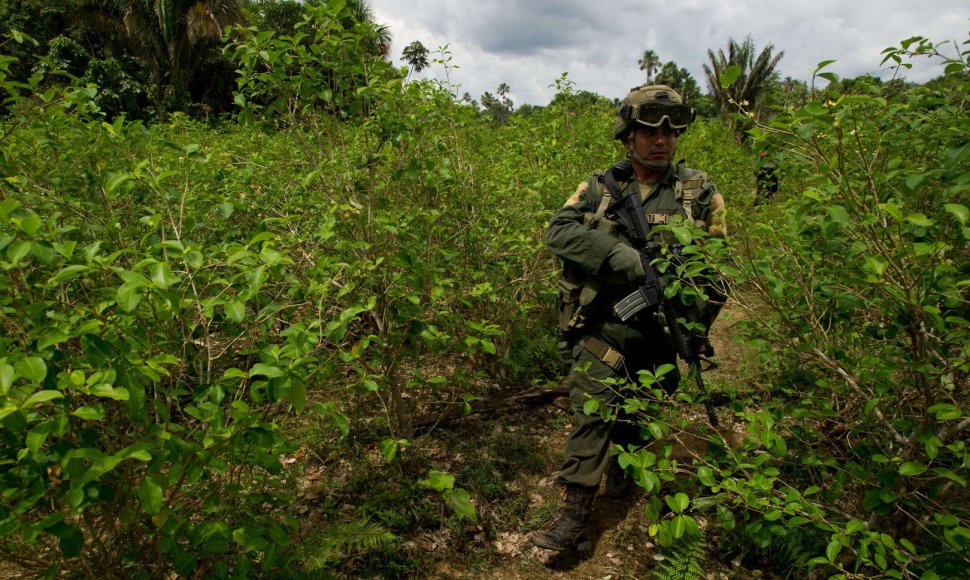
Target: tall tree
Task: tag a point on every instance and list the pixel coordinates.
(679, 79)
(756, 71)
(280, 16)
(498, 107)
(176, 38)
(362, 12)
(416, 55)
(650, 63)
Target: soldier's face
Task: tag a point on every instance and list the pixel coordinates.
(655, 145)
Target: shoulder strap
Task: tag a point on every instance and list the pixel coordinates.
(688, 188)
(611, 190)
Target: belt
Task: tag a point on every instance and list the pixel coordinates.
(606, 353)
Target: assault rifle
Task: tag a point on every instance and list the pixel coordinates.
(650, 295)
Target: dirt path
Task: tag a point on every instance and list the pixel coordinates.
(622, 545)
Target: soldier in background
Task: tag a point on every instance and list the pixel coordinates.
(766, 174)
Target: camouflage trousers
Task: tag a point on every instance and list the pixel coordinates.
(588, 446)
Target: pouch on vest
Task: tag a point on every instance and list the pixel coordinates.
(568, 298)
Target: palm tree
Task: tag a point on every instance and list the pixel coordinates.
(176, 38)
(679, 79)
(361, 12)
(756, 72)
(650, 62)
(416, 55)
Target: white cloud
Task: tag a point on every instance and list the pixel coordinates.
(528, 44)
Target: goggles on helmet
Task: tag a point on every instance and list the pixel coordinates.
(677, 116)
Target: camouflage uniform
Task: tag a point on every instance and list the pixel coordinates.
(641, 341)
(600, 267)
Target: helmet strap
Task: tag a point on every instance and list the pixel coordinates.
(631, 152)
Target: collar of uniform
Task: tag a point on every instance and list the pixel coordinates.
(667, 178)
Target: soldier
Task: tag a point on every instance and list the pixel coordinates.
(601, 266)
(766, 176)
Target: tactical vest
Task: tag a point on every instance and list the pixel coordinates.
(577, 292)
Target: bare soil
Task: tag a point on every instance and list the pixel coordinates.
(623, 547)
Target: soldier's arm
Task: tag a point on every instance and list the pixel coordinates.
(717, 221)
(569, 238)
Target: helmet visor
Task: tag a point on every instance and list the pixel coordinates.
(677, 116)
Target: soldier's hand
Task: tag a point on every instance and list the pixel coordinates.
(626, 262)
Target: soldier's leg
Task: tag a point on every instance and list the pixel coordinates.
(586, 455)
(588, 445)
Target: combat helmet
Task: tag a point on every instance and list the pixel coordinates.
(651, 106)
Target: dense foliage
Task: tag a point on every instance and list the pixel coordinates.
(854, 462)
(184, 308)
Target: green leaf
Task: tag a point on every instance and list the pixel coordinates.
(30, 223)
(297, 395)
(678, 526)
(37, 436)
(914, 183)
(488, 346)
(389, 449)
(51, 338)
(89, 412)
(268, 371)
(954, 68)
(832, 550)
(7, 377)
(115, 179)
(877, 265)
(461, 503)
(839, 215)
(664, 538)
(706, 476)
(17, 250)
(950, 475)
(730, 76)
(438, 481)
(129, 295)
(341, 422)
(892, 210)
(150, 496)
(7, 206)
(109, 392)
(591, 406)
(226, 209)
(678, 503)
(683, 236)
(162, 275)
(68, 273)
(918, 219)
(959, 211)
(234, 373)
(41, 397)
(945, 411)
(235, 310)
(823, 64)
(912, 468)
(32, 368)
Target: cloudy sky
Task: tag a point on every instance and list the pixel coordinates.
(528, 44)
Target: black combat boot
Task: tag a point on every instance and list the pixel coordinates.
(571, 528)
(619, 483)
